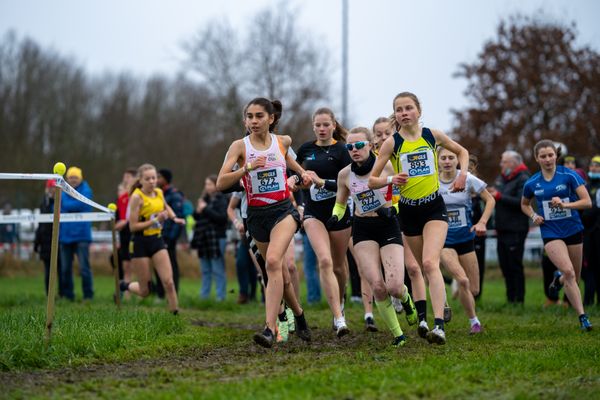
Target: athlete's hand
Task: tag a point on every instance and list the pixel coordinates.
(259, 162)
(179, 221)
(292, 182)
(162, 216)
(387, 212)
(479, 228)
(331, 222)
(538, 220)
(557, 202)
(400, 178)
(459, 183)
(306, 178)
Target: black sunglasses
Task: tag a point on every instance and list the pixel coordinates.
(358, 145)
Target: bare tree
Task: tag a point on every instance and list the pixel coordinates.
(530, 82)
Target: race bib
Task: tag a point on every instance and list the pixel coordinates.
(553, 213)
(267, 180)
(457, 218)
(320, 194)
(418, 163)
(369, 200)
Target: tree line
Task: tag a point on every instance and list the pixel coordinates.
(531, 81)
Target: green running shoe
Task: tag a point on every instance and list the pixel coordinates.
(399, 341)
(410, 310)
(283, 333)
(290, 317)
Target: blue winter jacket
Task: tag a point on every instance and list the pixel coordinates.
(71, 232)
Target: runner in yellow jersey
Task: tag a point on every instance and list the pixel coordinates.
(422, 210)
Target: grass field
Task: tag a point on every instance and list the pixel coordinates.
(142, 351)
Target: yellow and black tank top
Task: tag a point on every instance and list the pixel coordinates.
(150, 207)
(418, 158)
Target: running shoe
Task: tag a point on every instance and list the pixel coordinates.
(370, 324)
(423, 329)
(123, 286)
(399, 341)
(397, 304)
(475, 329)
(411, 311)
(264, 338)
(283, 333)
(447, 313)
(342, 328)
(355, 299)
(586, 325)
(555, 285)
(436, 335)
(290, 319)
(302, 329)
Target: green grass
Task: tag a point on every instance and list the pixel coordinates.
(141, 351)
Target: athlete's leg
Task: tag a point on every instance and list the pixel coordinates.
(559, 255)
(450, 260)
(141, 267)
(339, 247)
(162, 265)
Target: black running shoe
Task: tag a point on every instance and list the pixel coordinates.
(447, 313)
(264, 338)
(555, 285)
(399, 341)
(123, 286)
(370, 324)
(302, 329)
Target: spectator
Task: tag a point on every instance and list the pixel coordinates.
(591, 237)
(477, 212)
(42, 243)
(511, 224)
(171, 231)
(209, 238)
(8, 232)
(75, 238)
(122, 224)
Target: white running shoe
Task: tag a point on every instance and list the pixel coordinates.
(341, 327)
(436, 335)
(423, 329)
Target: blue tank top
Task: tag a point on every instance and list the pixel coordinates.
(558, 223)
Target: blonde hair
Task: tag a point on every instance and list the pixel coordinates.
(140, 171)
(365, 131)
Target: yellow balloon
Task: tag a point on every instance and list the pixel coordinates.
(60, 168)
(112, 207)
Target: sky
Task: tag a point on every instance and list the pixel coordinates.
(394, 45)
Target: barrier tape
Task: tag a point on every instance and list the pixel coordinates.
(60, 182)
(64, 217)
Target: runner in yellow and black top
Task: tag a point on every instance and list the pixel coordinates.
(422, 210)
(148, 210)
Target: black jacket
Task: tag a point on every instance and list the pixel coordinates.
(42, 243)
(591, 216)
(509, 217)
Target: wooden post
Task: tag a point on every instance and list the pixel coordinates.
(115, 263)
(53, 265)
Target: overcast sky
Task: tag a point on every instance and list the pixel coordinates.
(393, 45)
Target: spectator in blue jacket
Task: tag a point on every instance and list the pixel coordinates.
(170, 231)
(75, 238)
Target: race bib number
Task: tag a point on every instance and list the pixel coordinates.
(457, 218)
(320, 194)
(267, 180)
(418, 163)
(369, 200)
(552, 213)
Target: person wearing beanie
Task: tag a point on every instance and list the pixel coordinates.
(75, 238)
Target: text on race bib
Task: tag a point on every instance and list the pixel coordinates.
(320, 194)
(369, 200)
(457, 218)
(418, 163)
(552, 213)
(267, 180)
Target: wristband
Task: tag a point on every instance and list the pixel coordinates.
(389, 179)
(248, 167)
(339, 210)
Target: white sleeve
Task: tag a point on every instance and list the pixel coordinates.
(477, 184)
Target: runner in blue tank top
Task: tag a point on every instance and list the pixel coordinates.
(559, 193)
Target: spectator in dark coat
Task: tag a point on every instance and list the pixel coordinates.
(591, 237)
(511, 224)
(209, 237)
(42, 243)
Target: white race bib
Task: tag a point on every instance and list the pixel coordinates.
(320, 194)
(418, 163)
(553, 213)
(369, 200)
(457, 218)
(267, 180)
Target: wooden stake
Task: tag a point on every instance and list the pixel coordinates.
(53, 265)
(115, 263)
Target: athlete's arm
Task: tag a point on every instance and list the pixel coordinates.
(135, 225)
(172, 216)
(342, 186)
(462, 154)
(385, 153)
(227, 177)
(584, 200)
(481, 226)
(528, 210)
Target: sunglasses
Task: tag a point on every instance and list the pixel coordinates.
(357, 145)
